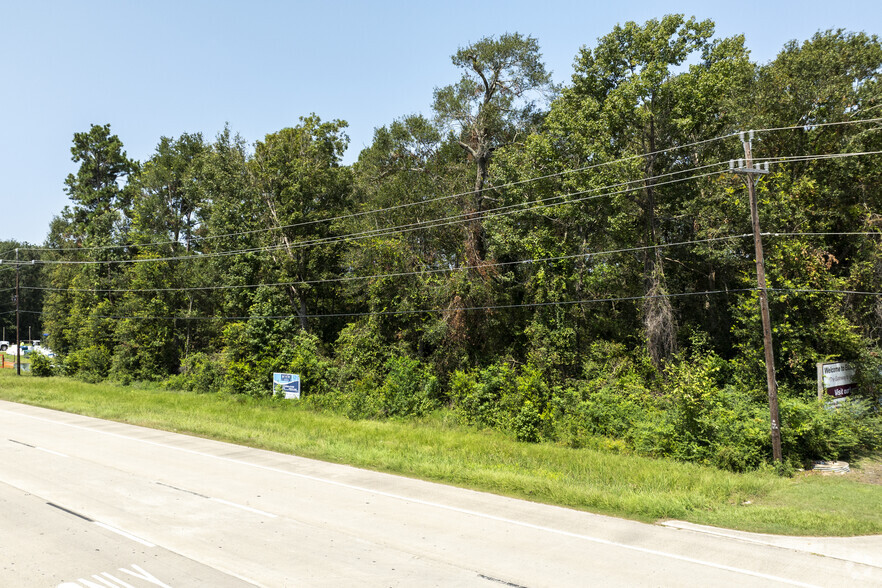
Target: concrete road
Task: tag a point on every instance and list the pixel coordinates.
(89, 503)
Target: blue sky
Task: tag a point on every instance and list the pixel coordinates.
(162, 68)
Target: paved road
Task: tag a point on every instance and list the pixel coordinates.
(89, 503)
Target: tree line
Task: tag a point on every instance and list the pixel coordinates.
(568, 263)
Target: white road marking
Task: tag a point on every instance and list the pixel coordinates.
(124, 534)
(40, 448)
(52, 452)
(243, 507)
(115, 579)
(142, 574)
(139, 573)
(477, 514)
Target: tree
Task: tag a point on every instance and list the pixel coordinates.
(100, 202)
(629, 99)
(302, 187)
(93, 229)
(491, 105)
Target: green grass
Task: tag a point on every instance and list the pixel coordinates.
(438, 449)
(10, 359)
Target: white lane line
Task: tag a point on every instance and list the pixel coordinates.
(39, 448)
(243, 507)
(124, 534)
(52, 452)
(477, 514)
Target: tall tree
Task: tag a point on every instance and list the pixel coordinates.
(302, 187)
(629, 98)
(492, 104)
(94, 228)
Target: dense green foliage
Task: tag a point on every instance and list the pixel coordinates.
(565, 264)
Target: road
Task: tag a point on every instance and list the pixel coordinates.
(92, 503)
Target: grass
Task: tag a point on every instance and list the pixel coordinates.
(438, 449)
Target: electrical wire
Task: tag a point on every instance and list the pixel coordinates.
(421, 311)
(813, 126)
(399, 206)
(818, 291)
(799, 158)
(446, 221)
(586, 255)
(422, 202)
(819, 234)
(386, 231)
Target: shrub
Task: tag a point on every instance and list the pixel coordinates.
(91, 364)
(201, 373)
(477, 395)
(41, 365)
(527, 423)
(408, 388)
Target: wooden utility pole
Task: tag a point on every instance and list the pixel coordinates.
(17, 320)
(748, 170)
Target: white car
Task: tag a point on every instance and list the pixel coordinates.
(4, 345)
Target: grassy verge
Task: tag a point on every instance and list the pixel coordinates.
(437, 449)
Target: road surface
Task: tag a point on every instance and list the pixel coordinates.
(89, 503)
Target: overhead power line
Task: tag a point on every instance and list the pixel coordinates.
(397, 206)
(420, 311)
(426, 271)
(450, 196)
(809, 126)
(386, 231)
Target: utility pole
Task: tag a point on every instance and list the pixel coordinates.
(17, 320)
(748, 170)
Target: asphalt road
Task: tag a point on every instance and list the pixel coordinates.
(92, 503)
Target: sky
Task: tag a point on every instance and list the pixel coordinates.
(163, 68)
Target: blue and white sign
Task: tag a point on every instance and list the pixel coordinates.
(289, 383)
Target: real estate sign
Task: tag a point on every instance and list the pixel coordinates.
(835, 381)
(289, 384)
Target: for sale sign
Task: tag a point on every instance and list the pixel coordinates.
(287, 384)
(836, 381)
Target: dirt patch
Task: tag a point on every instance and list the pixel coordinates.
(867, 470)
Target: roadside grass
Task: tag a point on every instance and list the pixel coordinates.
(438, 449)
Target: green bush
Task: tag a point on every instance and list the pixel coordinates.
(527, 423)
(811, 430)
(201, 373)
(478, 395)
(91, 364)
(41, 365)
(408, 388)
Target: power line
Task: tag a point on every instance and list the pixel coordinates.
(585, 255)
(819, 291)
(422, 202)
(386, 231)
(397, 206)
(818, 125)
(455, 219)
(436, 223)
(821, 234)
(421, 311)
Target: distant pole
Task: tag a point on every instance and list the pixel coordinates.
(749, 171)
(17, 321)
